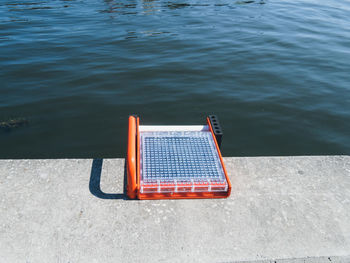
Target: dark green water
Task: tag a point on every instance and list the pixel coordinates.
(277, 73)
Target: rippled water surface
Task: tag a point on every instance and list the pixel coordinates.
(277, 73)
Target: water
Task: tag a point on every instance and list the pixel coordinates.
(277, 73)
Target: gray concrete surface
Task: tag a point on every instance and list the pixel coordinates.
(303, 260)
(283, 209)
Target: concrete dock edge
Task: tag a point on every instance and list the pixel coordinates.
(282, 209)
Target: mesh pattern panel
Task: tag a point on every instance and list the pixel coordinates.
(176, 157)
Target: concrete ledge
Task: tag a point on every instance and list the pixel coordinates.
(303, 260)
(283, 209)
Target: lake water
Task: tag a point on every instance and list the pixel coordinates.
(277, 73)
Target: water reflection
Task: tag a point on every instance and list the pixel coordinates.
(150, 33)
(150, 6)
(146, 33)
(243, 2)
(131, 35)
(120, 7)
(37, 5)
(172, 5)
(25, 3)
(22, 6)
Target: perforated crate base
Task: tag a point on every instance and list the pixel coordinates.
(180, 162)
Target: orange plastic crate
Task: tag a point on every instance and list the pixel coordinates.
(171, 162)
